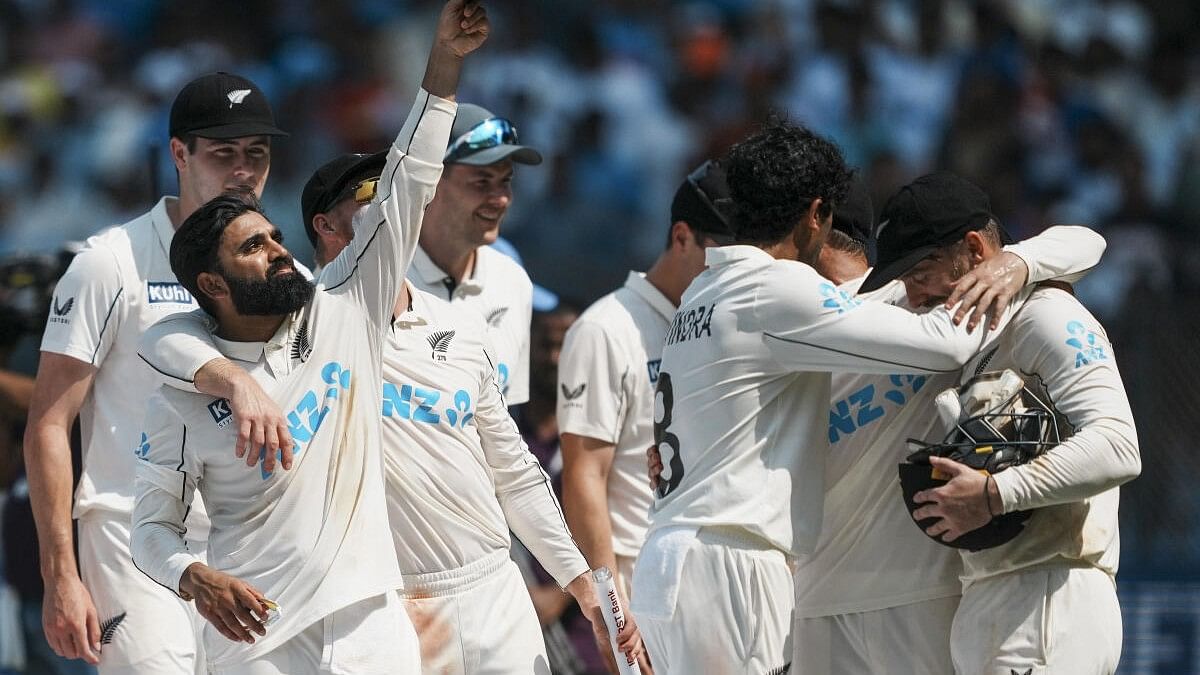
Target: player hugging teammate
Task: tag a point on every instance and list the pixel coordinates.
(321, 475)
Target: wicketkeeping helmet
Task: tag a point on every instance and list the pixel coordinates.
(997, 422)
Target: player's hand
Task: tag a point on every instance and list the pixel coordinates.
(69, 620)
(654, 466)
(961, 504)
(463, 26)
(232, 606)
(988, 288)
(262, 428)
(629, 640)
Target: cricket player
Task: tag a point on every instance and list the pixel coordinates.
(107, 612)
(606, 377)
(1047, 597)
(741, 411)
(874, 596)
(300, 546)
(454, 261)
(458, 475)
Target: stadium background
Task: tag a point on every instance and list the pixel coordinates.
(1065, 111)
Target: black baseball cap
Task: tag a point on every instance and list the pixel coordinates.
(327, 184)
(702, 201)
(222, 105)
(855, 217)
(480, 138)
(933, 211)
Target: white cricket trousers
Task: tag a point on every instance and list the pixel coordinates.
(911, 639)
(370, 637)
(1054, 620)
(476, 620)
(732, 611)
(145, 627)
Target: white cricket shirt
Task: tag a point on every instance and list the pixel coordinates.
(606, 376)
(119, 285)
(741, 413)
(459, 475)
(870, 555)
(1065, 356)
(501, 292)
(309, 537)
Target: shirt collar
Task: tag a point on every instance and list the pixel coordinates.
(723, 255)
(432, 275)
(251, 352)
(162, 223)
(637, 282)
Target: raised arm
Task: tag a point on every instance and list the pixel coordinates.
(372, 267)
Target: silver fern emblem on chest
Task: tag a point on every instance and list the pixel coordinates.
(301, 345)
(439, 341)
(496, 316)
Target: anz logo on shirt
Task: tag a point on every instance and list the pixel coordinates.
(305, 419)
(502, 373)
(409, 402)
(1089, 345)
(837, 299)
(859, 409)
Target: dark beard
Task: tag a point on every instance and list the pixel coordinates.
(274, 296)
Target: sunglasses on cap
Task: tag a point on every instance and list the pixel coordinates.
(362, 192)
(487, 134)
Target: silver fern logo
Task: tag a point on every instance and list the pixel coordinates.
(301, 346)
(109, 628)
(440, 342)
(496, 316)
(237, 96)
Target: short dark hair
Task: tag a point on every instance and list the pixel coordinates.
(195, 244)
(840, 241)
(775, 175)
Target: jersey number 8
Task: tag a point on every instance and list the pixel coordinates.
(664, 401)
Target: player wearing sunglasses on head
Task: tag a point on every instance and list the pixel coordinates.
(454, 261)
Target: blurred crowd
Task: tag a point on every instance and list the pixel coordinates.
(1065, 111)
(1069, 111)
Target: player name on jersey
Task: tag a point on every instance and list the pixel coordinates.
(691, 324)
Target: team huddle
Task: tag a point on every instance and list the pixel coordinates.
(790, 460)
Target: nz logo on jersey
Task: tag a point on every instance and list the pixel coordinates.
(221, 413)
(420, 404)
(837, 299)
(108, 629)
(439, 342)
(302, 346)
(496, 316)
(652, 367)
(167, 291)
(60, 311)
(307, 417)
(1090, 345)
